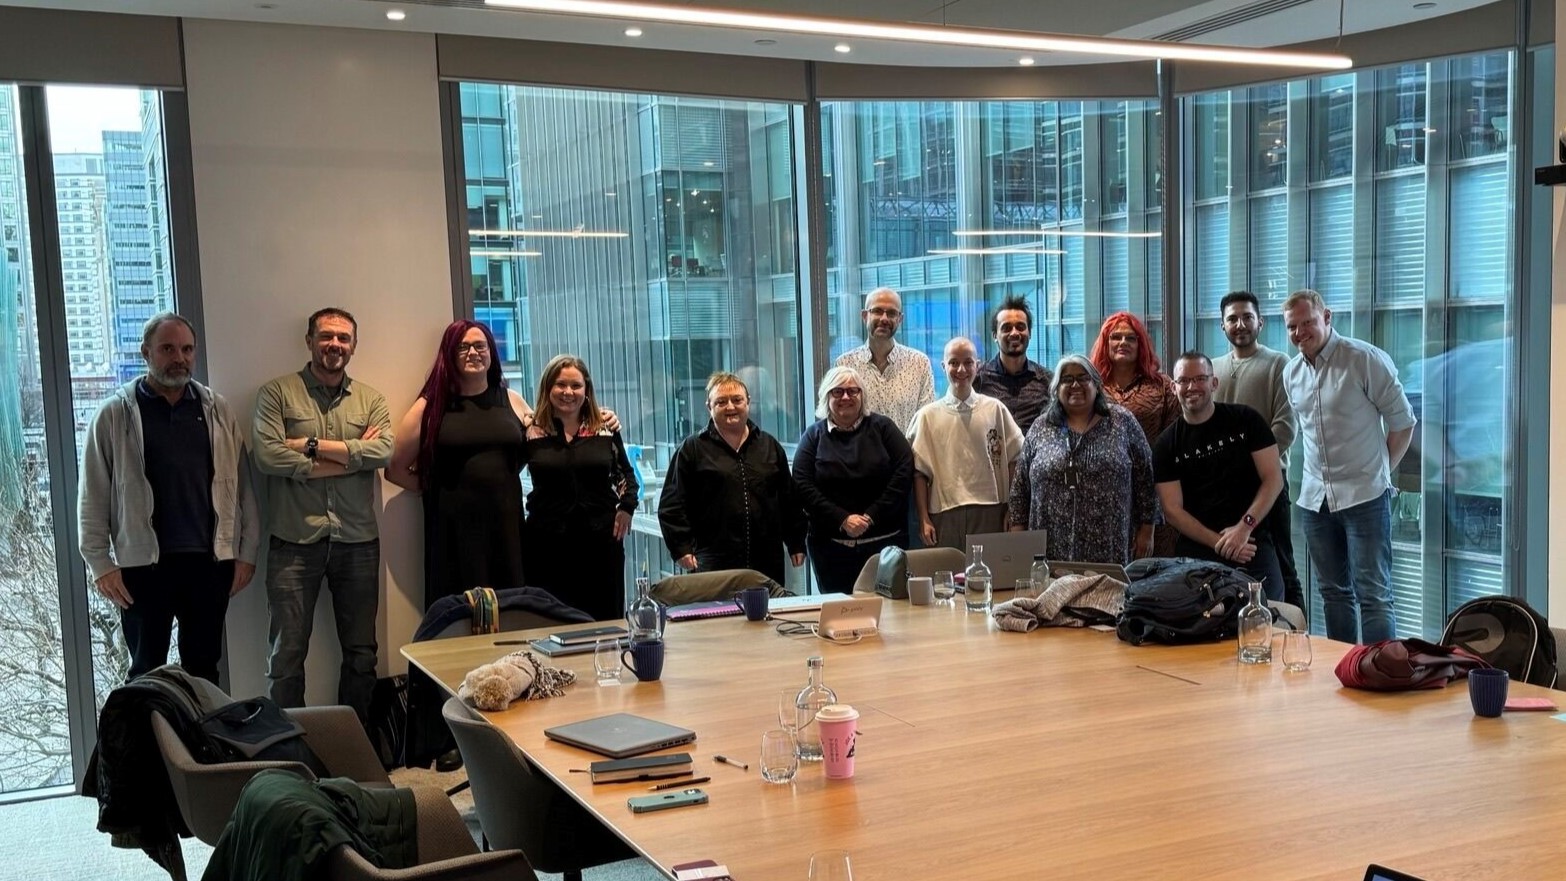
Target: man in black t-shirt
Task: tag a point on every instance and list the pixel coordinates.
(1217, 473)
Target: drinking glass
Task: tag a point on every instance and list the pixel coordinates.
(788, 711)
(1296, 651)
(1025, 588)
(606, 661)
(779, 764)
(945, 587)
(830, 865)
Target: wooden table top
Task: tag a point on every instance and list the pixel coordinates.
(1065, 754)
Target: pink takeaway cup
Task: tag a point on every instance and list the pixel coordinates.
(839, 725)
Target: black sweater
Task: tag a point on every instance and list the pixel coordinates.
(866, 470)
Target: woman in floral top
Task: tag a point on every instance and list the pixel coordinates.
(1124, 356)
(1086, 474)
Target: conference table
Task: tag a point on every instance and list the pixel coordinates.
(1063, 754)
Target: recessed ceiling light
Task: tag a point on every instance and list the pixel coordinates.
(844, 48)
(396, 14)
(633, 32)
(766, 42)
(841, 28)
(1426, 5)
(1025, 61)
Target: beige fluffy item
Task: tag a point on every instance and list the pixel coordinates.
(494, 686)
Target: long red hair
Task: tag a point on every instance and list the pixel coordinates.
(1147, 363)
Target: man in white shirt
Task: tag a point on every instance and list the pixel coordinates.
(1355, 423)
(965, 449)
(1252, 374)
(897, 379)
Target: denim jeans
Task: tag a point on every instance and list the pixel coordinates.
(1351, 551)
(294, 573)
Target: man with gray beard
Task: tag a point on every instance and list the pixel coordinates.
(169, 527)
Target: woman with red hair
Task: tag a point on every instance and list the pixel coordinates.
(463, 444)
(1124, 355)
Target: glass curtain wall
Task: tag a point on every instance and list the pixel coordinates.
(112, 237)
(654, 237)
(1388, 191)
(958, 205)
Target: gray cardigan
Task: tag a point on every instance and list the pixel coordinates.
(114, 501)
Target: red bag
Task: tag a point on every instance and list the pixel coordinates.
(1404, 665)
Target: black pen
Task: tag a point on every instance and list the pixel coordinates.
(510, 642)
(728, 761)
(678, 783)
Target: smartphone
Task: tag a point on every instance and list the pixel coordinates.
(641, 804)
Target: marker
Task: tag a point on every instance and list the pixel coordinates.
(678, 783)
(728, 761)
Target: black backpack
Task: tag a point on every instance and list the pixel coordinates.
(1177, 600)
(1507, 633)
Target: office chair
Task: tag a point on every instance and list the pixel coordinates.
(922, 563)
(521, 808)
(206, 794)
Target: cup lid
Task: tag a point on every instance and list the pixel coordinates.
(836, 713)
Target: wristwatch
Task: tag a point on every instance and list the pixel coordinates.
(1248, 519)
(311, 445)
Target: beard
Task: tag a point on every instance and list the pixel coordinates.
(169, 380)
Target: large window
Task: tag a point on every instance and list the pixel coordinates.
(958, 205)
(1401, 216)
(654, 237)
(111, 243)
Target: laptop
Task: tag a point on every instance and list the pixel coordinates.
(1008, 554)
(1380, 873)
(1062, 568)
(620, 735)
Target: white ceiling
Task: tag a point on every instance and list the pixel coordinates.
(1312, 20)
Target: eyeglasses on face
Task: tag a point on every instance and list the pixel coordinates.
(1188, 381)
(1075, 379)
(884, 311)
(478, 346)
(730, 401)
(846, 391)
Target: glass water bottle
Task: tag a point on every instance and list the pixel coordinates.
(979, 593)
(814, 696)
(644, 616)
(1255, 637)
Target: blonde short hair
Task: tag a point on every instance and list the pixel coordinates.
(1305, 295)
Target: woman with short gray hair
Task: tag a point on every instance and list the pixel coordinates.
(853, 469)
(1086, 473)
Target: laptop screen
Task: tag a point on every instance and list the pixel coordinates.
(1381, 873)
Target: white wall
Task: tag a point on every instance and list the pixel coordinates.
(319, 182)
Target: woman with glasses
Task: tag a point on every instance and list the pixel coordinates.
(584, 493)
(462, 445)
(1086, 474)
(1124, 355)
(853, 469)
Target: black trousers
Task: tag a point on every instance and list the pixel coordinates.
(582, 567)
(189, 588)
(1281, 531)
(837, 566)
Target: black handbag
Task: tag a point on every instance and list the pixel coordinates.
(891, 574)
(258, 730)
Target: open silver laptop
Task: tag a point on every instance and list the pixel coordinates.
(1008, 554)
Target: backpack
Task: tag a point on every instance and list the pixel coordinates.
(388, 722)
(1177, 600)
(1507, 633)
(258, 730)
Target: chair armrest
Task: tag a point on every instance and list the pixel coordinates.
(345, 864)
(206, 794)
(336, 737)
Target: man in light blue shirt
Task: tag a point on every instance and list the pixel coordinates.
(1355, 424)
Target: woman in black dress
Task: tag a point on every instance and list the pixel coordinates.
(462, 444)
(584, 492)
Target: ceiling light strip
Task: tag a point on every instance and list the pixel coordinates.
(985, 39)
(547, 233)
(1062, 233)
(948, 252)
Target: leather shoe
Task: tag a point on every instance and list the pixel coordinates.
(448, 761)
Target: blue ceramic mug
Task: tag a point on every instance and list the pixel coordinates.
(645, 659)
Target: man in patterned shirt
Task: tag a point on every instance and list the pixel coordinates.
(1022, 385)
(898, 379)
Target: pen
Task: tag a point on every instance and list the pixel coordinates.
(510, 642)
(728, 761)
(678, 783)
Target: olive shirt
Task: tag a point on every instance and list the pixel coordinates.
(305, 511)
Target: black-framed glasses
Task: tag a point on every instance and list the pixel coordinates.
(846, 391)
(478, 346)
(1188, 381)
(1076, 379)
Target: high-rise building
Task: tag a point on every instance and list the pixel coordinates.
(133, 292)
(82, 207)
